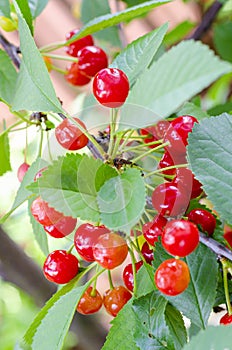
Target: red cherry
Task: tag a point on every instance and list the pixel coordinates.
(160, 128)
(148, 253)
(75, 76)
(151, 136)
(85, 237)
(90, 302)
(73, 48)
(185, 178)
(128, 276)
(172, 277)
(43, 213)
(165, 162)
(204, 218)
(110, 250)
(226, 319)
(61, 228)
(111, 87)
(60, 266)
(91, 59)
(170, 199)
(70, 136)
(180, 237)
(184, 125)
(22, 171)
(115, 299)
(152, 230)
(228, 235)
(176, 147)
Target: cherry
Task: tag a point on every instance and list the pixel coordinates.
(70, 136)
(151, 136)
(73, 48)
(160, 128)
(22, 171)
(90, 302)
(165, 162)
(91, 59)
(60, 266)
(180, 237)
(111, 87)
(39, 173)
(172, 277)
(43, 213)
(148, 253)
(226, 319)
(170, 199)
(75, 76)
(204, 219)
(228, 235)
(114, 299)
(128, 276)
(61, 228)
(110, 250)
(184, 125)
(185, 178)
(85, 237)
(153, 229)
(176, 147)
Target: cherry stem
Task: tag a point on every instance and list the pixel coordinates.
(70, 249)
(93, 291)
(113, 119)
(59, 70)
(61, 57)
(49, 148)
(110, 280)
(157, 171)
(41, 143)
(150, 151)
(144, 145)
(216, 247)
(53, 46)
(225, 281)
(133, 260)
(132, 244)
(128, 136)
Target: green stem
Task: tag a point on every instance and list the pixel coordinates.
(49, 148)
(136, 249)
(113, 119)
(142, 146)
(41, 143)
(129, 133)
(59, 70)
(110, 280)
(226, 288)
(157, 171)
(116, 145)
(70, 249)
(149, 187)
(133, 260)
(150, 151)
(53, 46)
(61, 57)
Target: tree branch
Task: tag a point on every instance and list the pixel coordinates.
(11, 50)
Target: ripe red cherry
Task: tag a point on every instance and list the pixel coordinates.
(180, 237)
(110, 250)
(153, 229)
(111, 87)
(172, 277)
(166, 161)
(151, 136)
(170, 199)
(75, 76)
(73, 48)
(43, 213)
(204, 218)
(185, 178)
(228, 235)
(176, 147)
(60, 266)
(91, 59)
(90, 302)
(85, 237)
(115, 299)
(226, 319)
(128, 277)
(70, 136)
(61, 228)
(184, 125)
(147, 253)
(22, 171)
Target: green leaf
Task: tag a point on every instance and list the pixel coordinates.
(122, 200)
(177, 76)
(8, 77)
(176, 326)
(191, 109)
(71, 183)
(210, 157)
(110, 20)
(121, 334)
(91, 9)
(222, 108)
(55, 316)
(145, 280)
(151, 331)
(219, 338)
(222, 40)
(4, 154)
(138, 55)
(197, 300)
(5, 8)
(26, 13)
(37, 7)
(34, 90)
(178, 33)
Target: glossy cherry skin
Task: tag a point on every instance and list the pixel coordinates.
(43, 213)
(172, 277)
(22, 171)
(75, 76)
(89, 304)
(85, 237)
(111, 87)
(110, 250)
(204, 219)
(226, 319)
(128, 277)
(180, 237)
(91, 59)
(170, 199)
(166, 161)
(184, 125)
(148, 253)
(153, 229)
(185, 178)
(60, 266)
(61, 228)
(73, 48)
(228, 235)
(70, 136)
(115, 299)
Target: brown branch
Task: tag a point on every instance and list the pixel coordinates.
(11, 50)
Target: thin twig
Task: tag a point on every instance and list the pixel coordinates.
(216, 247)
(11, 50)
